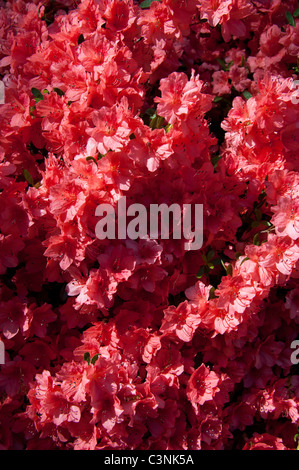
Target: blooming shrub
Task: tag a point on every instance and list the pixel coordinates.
(141, 344)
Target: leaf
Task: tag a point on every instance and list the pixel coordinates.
(200, 272)
(94, 359)
(91, 158)
(156, 122)
(210, 255)
(59, 92)
(217, 99)
(296, 13)
(244, 259)
(37, 95)
(28, 177)
(212, 293)
(228, 268)
(215, 160)
(290, 18)
(147, 3)
(222, 63)
(256, 239)
(247, 95)
(87, 357)
(223, 264)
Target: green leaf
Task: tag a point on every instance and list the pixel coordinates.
(147, 3)
(45, 91)
(290, 18)
(37, 95)
(222, 63)
(212, 293)
(256, 239)
(94, 359)
(156, 122)
(210, 255)
(59, 92)
(296, 13)
(247, 95)
(100, 156)
(215, 160)
(244, 259)
(201, 272)
(223, 264)
(228, 268)
(91, 158)
(217, 99)
(87, 357)
(28, 177)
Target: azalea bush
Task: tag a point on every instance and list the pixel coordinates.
(141, 344)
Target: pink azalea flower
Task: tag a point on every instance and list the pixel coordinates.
(286, 217)
(264, 442)
(202, 386)
(180, 95)
(111, 127)
(234, 294)
(182, 321)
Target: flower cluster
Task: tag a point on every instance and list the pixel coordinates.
(141, 344)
